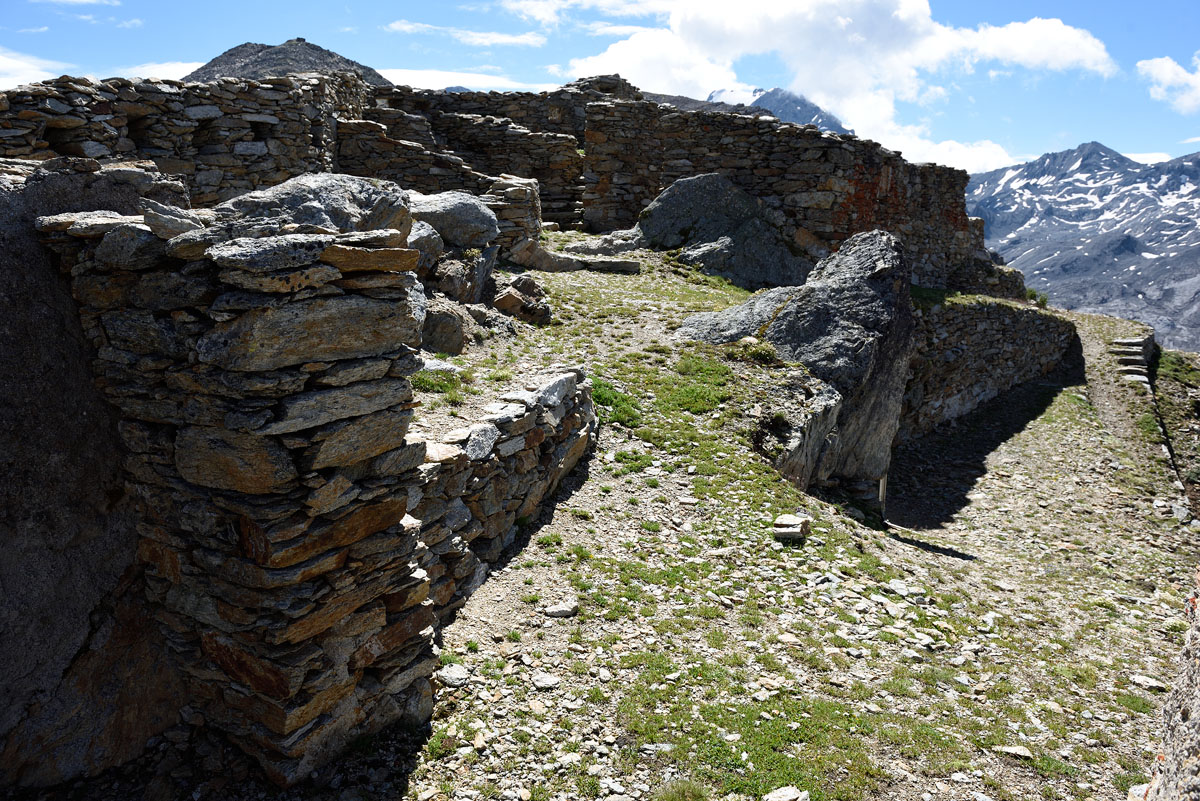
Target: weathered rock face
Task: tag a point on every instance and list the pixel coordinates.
(794, 429)
(718, 228)
(460, 219)
(298, 545)
(341, 203)
(852, 326)
(723, 231)
(85, 681)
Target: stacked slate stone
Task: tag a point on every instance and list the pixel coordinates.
(225, 138)
(300, 545)
(365, 148)
(498, 146)
(517, 204)
(824, 187)
(261, 366)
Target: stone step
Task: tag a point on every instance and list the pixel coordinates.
(1134, 342)
(1131, 360)
(1128, 352)
(1133, 369)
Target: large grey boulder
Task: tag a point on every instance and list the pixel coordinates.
(338, 203)
(460, 219)
(851, 324)
(721, 229)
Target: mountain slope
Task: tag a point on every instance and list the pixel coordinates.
(1100, 232)
(779, 103)
(258, 61)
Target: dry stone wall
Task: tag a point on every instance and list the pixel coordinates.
(300, 547)
(562, 111)
(233, 136)
(225, 138)
(825, 187)
(969, 350)
(497, 146)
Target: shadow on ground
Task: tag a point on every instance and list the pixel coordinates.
(930, 477)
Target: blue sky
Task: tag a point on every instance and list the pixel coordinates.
(977, 84)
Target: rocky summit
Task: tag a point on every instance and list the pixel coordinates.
(362, 441)
(254, 60)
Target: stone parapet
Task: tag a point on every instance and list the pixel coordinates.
(971, 349)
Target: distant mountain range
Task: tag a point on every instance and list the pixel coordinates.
(780, 103)
(1099, 232)
(258, 61)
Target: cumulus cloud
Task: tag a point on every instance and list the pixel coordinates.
(473, 38)
(20, 68)
(551, 12)
(609, 29)
(857, 58)
(1172, 83)
(171, 70)
(440, 79)
(659, 60)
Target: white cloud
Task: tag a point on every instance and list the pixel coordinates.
(658, 60)
(550, 12)
(130, 23)
(857, 58)
(171, 70)
(20, 68)
(80, 2)
(440, 79)
(1171, 82)
(1191, 140)
(473, 38)
(609, 29)
(1148, 158)
(42, 29)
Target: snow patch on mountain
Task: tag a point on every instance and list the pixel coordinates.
(1100, 232)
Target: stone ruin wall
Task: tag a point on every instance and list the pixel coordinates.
(233, 136)
(825, 187)
(971, 350)
(224, 138)
(298, 546)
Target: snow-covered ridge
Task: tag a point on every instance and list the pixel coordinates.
(1101, 232)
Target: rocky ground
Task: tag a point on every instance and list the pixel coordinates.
(1006, 635)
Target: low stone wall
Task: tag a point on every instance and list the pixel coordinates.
(497, 146)
(969, 350)
(300, 547)
(561, 111)
(365, 149)
(225, 138)
(825, 187)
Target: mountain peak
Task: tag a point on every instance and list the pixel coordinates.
(258, 61)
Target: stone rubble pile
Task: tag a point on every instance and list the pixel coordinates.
(302, 547)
